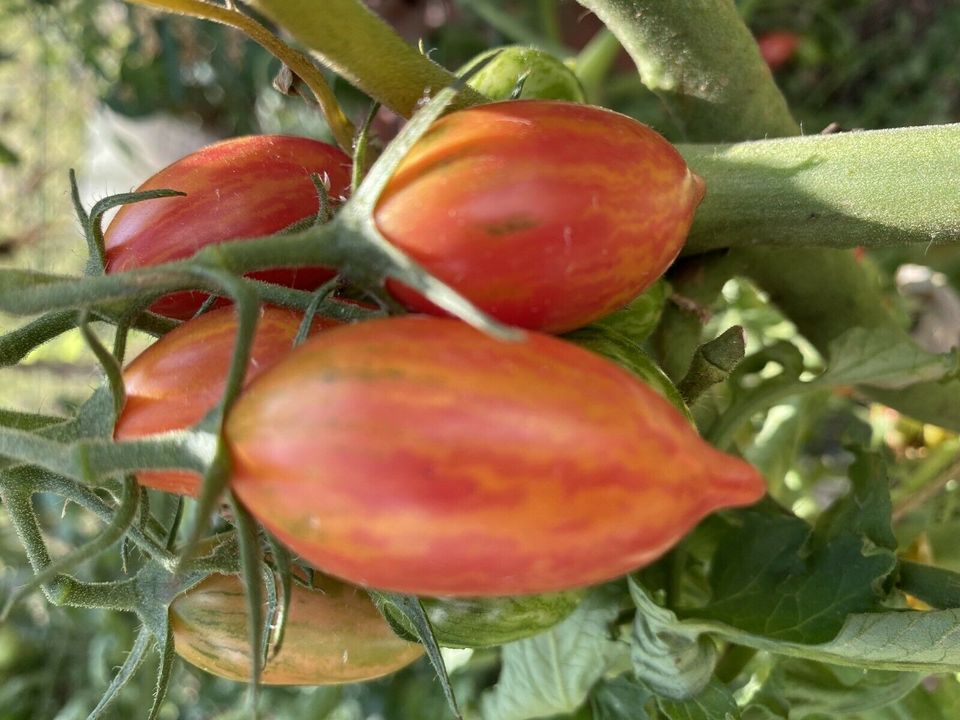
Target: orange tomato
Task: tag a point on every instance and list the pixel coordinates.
(180, 378)
(419, 455)
(334, 634)
(545, 214)
(239, 188)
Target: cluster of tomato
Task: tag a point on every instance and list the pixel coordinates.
(417, 454)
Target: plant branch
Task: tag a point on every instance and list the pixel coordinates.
(339, 124)
(702, 61)
(873, 189)
(355, 43)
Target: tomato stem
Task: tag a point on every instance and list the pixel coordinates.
(300, 64)
(354, 42)
(876, 188)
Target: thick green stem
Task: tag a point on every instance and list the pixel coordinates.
(702, 61)
(355, 43)
(724, 92)
(877, 188)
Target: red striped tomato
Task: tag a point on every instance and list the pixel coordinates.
(239, 188)
(545, 214)
(419, 455)
(180, 378)
(334, 634)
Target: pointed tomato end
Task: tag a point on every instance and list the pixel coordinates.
(735, 483)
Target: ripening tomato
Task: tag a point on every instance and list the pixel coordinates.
(777, 47)
(545, 214)
(239, 188)
(334, 634)
(180, 378)
(419, 455)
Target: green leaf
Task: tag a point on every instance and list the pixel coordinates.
(776, 577)
(749, 397)
(939, 702)
(671, 659)
(884, 358)
(621, 698)
(810, 688)
(774, 449)
(715, 702)
(640, 318)
(410, 608)
(609, 343)
(552, 673)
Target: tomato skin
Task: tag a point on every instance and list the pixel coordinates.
(238, 188)
(334, 634)
(777, 47)
(546, 214)
(180, 378)
(418, 455)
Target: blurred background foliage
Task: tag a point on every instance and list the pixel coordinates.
(117, 92)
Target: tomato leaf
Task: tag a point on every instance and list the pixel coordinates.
(776, 577)
(774, 449)
(552, 673)
(411, 609)
(134, 660)
(674, 661)
(619, 699)
(610, 343)
(939, 702)
(640, 318)
(714, 702)
(883, 358)
(809, 688)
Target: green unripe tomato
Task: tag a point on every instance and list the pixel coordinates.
(629, 355)
(547, 78)
(490, 621)
(640, 318)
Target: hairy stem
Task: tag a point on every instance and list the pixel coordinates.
(876, 188)
(354, 42)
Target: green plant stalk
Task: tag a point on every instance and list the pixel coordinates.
(92, 459)
(873, 189)
(510, 27)
(594, 62)
(36, 480)
(936, 586)
(61, 589)
(712, 363)
(702, 61)
(339, 124)
(355, 43)
(728, 94)
(123, 518)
